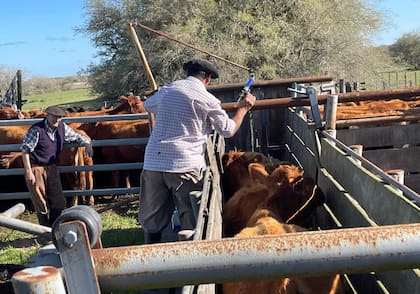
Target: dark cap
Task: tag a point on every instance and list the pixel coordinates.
(196, 65)
(55, 110)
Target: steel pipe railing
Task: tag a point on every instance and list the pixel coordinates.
(271, 103)
(357, 250)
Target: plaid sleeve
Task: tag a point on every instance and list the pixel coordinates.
(30, 141)
(71, 135)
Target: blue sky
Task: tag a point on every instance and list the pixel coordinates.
(38, 37)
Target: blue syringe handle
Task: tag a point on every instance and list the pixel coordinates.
(249, 83)
(245, 89)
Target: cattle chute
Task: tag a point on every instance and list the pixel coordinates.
(356, 197)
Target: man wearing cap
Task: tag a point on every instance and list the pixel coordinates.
(41, 147)
(185, 113)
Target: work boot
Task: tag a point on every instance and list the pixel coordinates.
(43, 219)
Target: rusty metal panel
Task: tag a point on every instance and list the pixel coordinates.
(298, 254)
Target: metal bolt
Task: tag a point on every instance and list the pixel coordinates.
(70, 238)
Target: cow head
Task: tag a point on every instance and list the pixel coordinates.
(129, 104)
(235, 169)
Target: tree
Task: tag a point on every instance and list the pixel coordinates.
(6, 76)
(275, 38)
(407, 50)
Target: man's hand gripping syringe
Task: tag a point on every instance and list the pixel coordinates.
(245, 99)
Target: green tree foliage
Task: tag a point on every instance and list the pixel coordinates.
(407, 50)
(275, 38)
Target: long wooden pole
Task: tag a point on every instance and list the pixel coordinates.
(142, 57)
(149, 74)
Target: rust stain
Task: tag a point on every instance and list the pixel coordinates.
(35, 275)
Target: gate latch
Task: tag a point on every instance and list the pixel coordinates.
(298, 90)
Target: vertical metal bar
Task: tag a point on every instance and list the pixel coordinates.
(76, 258)
(19, 90)
(331, 114)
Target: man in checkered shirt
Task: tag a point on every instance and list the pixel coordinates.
(185, 113)
(41, 148)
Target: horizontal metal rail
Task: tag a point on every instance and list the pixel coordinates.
(76, 119)
(322, 99)
(70, 168)
(372, 167)
(358, 250)
(24, 226)
(95, 143)
(71, 193)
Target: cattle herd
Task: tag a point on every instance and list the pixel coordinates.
(268, 197)
(74, 156)
(262, 195)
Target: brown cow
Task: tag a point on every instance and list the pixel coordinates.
(290, 198)
(235, 169)
(71, 156)
(121, 153)
(270, 226)
(365, 109)
(77, 180)
(128, 104)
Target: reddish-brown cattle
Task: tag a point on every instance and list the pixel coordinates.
(316, 285)
(365, 109)
(129, 104)
(83, 180)
(289, 201)
(122, 153)
(71, 156)
(235, 169)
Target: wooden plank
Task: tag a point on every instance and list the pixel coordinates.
(407, 159)
(370, 137)
(382, 202)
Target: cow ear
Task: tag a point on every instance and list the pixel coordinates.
(225, 159)
(257, 172)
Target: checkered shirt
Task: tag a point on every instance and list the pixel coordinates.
(185, 113)
(32, 136)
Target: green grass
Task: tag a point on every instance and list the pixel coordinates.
(120, 228)
(11, 255)
(77, 97)
(401, 79)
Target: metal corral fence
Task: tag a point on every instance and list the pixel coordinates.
(359, 194)
(399, 79)
(369, 225)
(95, 167)
(384, 254)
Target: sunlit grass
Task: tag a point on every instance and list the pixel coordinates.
(62, 98)
(11, 255)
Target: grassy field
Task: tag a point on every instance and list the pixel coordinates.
(120, 228)
(77, 97)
